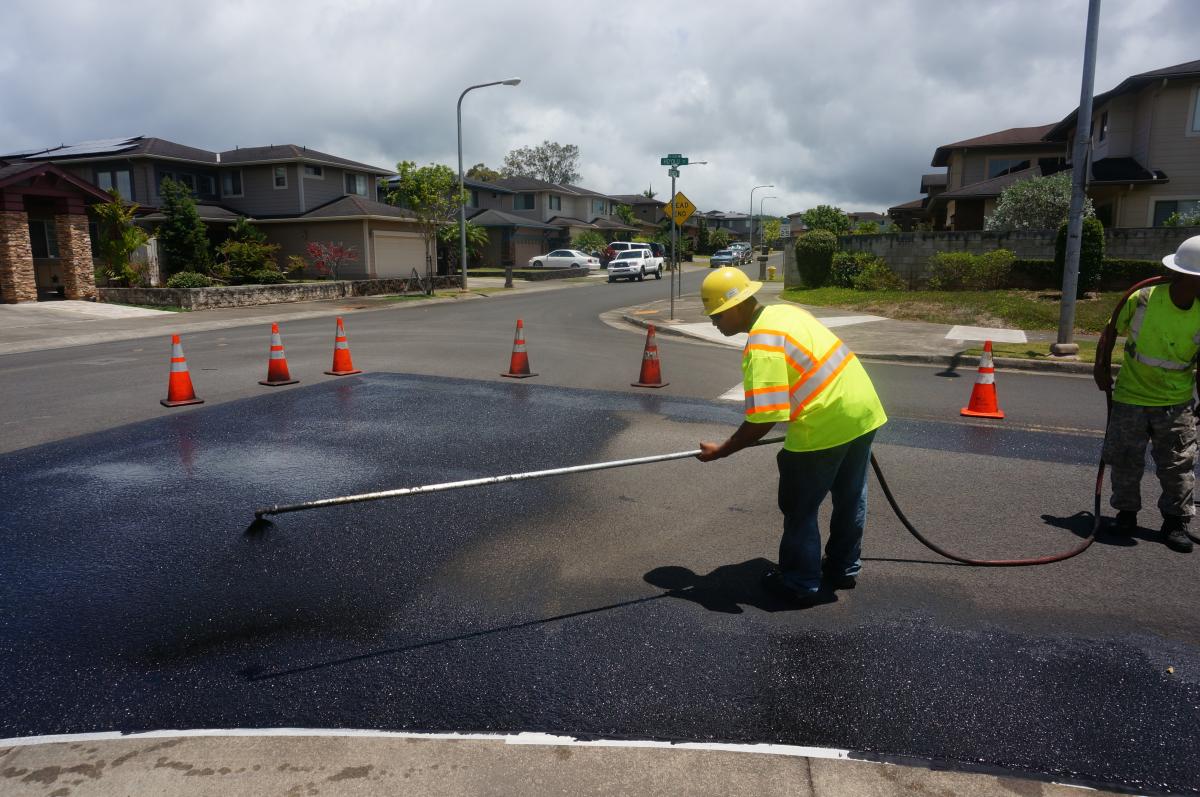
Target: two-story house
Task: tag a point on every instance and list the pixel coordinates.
(1144, 158)
(1145, 147)
(294, 194)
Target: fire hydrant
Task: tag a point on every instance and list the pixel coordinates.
(770, 273)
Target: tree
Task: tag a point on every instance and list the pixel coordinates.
(703, 243)
(182, 236)
(448, 237)
(1091, 255)
(718, 239)
(549, 161)
(771, 229)
(826, 217)
(483, 173)
(649, 192)
(329, 258)
(589, 241)
(626, 215)
(432, 194)
(814, 256)
(1039, 203)
(118, 238)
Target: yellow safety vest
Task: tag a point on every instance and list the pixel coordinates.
(1160, 351)
(795, 370)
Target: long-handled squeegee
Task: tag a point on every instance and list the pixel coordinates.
(279, 509)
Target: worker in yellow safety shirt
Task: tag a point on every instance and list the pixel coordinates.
(798, 372)
(1154, 397)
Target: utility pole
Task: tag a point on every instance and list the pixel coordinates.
(1081, 164)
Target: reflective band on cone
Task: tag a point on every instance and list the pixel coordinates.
(179, 384)
(518, 365)
(277, 367)
(651, 375)
(983, 402)
(342, 364)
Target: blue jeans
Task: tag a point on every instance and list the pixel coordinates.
(805, 478)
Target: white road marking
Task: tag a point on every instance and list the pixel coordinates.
(848, 320)
(736, 393)
(987, 333)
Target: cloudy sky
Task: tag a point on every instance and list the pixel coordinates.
(832, 102)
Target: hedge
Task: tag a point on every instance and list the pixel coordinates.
(1115, 274)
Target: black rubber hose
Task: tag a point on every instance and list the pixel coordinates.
(1103, 350)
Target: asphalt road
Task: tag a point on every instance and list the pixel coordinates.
(620, 603)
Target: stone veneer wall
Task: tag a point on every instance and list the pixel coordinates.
(75, 256)
(18, 282)
(908, 253)
(246, 295)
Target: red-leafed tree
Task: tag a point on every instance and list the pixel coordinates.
(329, 258)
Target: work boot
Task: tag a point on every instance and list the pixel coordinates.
(774, 585)
(1126, 521)
(834, 579)
(1175, 529)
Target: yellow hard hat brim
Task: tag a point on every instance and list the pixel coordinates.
(742, 295)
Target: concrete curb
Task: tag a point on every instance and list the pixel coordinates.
(1007, 363)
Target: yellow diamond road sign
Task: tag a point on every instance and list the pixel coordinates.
(683, 208)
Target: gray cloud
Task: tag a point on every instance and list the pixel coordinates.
(831, 102)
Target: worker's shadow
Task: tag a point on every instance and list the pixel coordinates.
(726, 589)
(1080, 524)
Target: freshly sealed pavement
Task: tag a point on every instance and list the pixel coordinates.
(369, 617)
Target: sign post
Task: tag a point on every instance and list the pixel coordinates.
(674, 160)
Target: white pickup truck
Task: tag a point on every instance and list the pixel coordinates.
(635, 264)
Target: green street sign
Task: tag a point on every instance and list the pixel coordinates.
(674, 159)
(672, 172)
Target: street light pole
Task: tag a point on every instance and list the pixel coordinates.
(462, 205)
(752, 190)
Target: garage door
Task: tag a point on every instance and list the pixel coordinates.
(396, 254)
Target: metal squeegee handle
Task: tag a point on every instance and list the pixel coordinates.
(279, 509)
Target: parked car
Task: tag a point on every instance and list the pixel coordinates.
(564, 258)
(722, 257)
(634, 264)
(742, 251)
(613, 249)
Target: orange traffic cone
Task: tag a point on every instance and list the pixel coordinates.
(518, 366)
(651, 367)
(342, 364)
(983, 396)
(179, 385)
(277, 369)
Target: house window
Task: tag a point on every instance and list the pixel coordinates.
(356, 184)
(281, 177)
(188, 180)
(1164, 209)
(314, 172)
(999, 166)
(473, 199)
(523, 202)
(555, 202)
(1102, 128)
(598, 206)
(207, 185)
(43, 239)
(121, 179)
(1196, 111)
(231, 183)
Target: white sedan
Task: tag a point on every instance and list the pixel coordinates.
(564, 258)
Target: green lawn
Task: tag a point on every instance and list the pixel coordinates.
(1041, 351)
(1028, 310)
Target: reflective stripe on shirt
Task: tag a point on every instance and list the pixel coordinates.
(814, 381)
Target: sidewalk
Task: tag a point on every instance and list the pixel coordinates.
(289, 761)
(870, 337)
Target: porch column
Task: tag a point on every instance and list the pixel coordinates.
(75, 256)
(17, 280)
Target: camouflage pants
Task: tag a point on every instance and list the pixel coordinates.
(1172, 435)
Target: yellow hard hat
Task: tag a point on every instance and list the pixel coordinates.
(724, 288)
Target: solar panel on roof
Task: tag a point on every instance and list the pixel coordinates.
(97, 147)
(25, 153)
